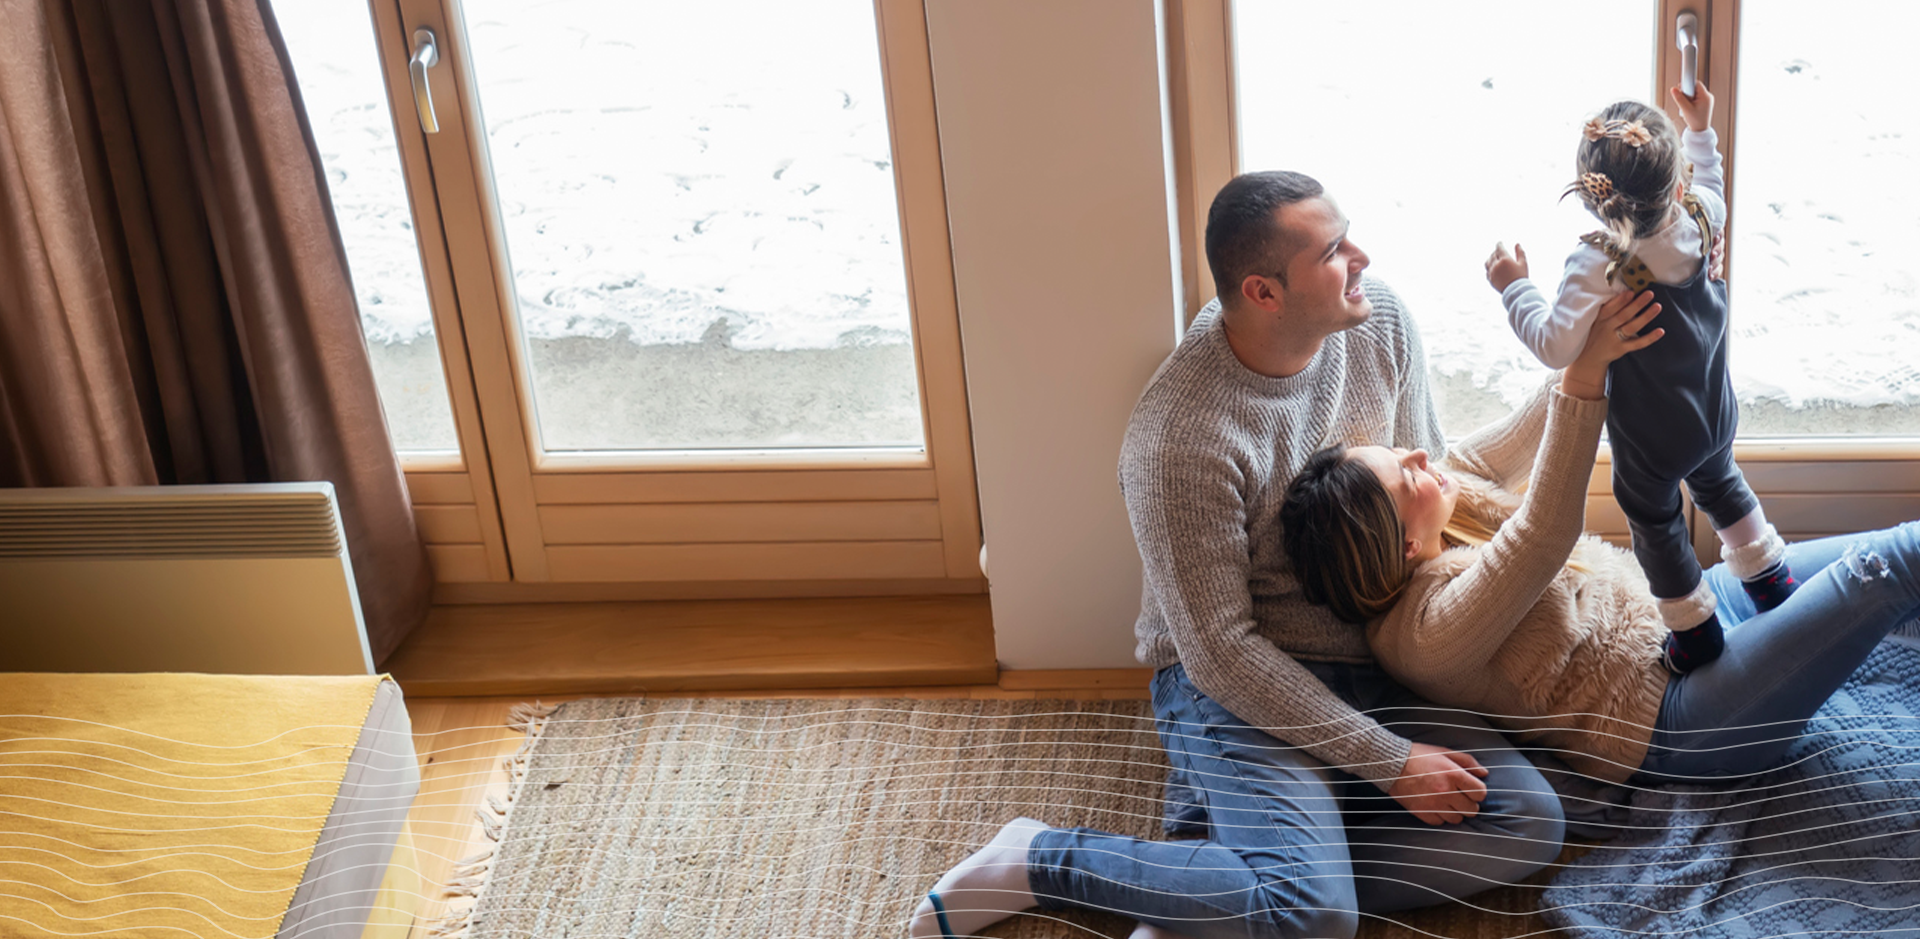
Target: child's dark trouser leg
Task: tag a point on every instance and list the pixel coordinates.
(1751, 548)
(1664, 548)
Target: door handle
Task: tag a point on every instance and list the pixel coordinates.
(1686, 36)
(426, 54)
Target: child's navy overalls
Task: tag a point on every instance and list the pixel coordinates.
(1671, 416)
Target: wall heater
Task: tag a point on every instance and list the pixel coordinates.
(240, 579)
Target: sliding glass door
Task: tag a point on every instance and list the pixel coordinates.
(695, 273)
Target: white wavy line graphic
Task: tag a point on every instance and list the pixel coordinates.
(1056, 791)
(1013, 761)
(735, 726)
(1279, 746)
(1459, 852)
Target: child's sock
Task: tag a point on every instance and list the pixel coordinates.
(1689, 649)
(1694, 636)
(1761, 565)
(1772, 587)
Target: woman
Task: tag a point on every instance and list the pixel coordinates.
(1480, 598)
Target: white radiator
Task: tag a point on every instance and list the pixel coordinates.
(241, 579)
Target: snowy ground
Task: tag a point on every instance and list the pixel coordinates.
(686, 218)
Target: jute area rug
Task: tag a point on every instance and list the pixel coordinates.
(781, 819)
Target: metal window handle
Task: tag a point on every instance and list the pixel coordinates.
(1686, 36)
(426, 53)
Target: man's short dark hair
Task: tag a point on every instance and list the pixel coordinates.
(1242, 236)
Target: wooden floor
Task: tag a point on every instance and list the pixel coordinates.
(460, 741)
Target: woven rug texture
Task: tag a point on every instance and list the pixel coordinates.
(781, 819)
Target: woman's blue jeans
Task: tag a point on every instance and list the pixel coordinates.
(1294, 847)
(1737, 715)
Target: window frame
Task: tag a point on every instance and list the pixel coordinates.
(642, 525)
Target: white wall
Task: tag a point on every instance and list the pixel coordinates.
(1053, 142)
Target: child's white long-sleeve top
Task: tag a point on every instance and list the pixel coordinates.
(1557, 331)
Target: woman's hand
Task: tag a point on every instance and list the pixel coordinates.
(1439, 785)
(1620, 328)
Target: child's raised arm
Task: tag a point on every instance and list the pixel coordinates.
(1700, 143)
(1554, 331)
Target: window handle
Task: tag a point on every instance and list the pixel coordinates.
(1686, 36)
(426, 54)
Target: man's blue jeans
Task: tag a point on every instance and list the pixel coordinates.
(1738, 714)
(1296, 848)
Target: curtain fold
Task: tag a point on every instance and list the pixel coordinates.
(175, 305)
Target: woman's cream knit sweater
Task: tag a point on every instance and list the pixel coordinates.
(1548, 632)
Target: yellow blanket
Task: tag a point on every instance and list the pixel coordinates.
(166, 805)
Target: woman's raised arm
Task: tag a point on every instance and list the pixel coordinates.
(1467, 620)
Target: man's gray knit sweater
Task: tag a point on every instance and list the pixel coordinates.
(1208, 454)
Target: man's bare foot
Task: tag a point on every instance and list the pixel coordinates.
(984, 889)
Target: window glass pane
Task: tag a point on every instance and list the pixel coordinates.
(1439, 129)
(698, 200)
(338, 67)
(1826, 220)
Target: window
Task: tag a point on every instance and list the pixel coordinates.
(334, 57)
(689, 282)
(1826, 221)
(1437, 149)
(698, 202)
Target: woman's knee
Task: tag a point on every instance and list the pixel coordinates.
(1895, 554)
(1542, 824)
(1878, 561)
(1530, 820)
(1305, 908)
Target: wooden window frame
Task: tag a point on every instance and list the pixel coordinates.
(507, 521)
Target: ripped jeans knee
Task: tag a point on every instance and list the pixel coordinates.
(1882, 560)
(1864, 564)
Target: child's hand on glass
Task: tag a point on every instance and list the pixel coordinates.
(1697, 111)
(1504, 267)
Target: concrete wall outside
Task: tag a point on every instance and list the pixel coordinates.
(1054, 143)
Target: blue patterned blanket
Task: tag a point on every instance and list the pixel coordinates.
(1829, 844)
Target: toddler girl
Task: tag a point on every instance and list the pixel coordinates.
(1672, 414)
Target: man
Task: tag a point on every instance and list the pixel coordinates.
(1317, 788)
(1300, 352)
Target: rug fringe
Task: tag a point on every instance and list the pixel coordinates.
(469, 877)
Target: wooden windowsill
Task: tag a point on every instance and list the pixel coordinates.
(698, 645)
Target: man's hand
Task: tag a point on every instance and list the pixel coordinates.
(1504, 267)
(1697, 111)
(1440, 786)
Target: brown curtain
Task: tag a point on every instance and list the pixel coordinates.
(174, 299)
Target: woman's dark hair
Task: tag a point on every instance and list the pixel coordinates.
(1342, 534)
(1642, 177)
